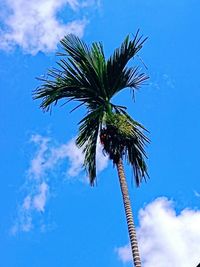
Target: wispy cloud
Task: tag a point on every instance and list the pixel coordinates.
(46, 163)
(197, 194)
(36, 25)
(166, 237)
(50, 155)
(39, 200)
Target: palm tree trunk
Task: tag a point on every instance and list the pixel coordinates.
(129, 214)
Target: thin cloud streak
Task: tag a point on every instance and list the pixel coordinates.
(197, 194)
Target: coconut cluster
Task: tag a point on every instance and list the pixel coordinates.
(116, 135)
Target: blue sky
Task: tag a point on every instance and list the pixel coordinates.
(50, 216)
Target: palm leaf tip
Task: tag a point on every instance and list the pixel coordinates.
(120, 74)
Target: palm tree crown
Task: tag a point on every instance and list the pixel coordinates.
(86, 76)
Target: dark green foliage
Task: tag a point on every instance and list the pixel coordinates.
(84, 75)
(122, 137)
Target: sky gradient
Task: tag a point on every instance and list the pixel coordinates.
(50, 216)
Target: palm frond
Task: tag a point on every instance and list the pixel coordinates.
(81, 77)
(87, 139)
(90, 60)
(136, 158)
(118, 61)
(84, 75)
(130, 78)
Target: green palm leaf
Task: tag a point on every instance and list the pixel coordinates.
(116, 64)
(87, 138)
(84, 75)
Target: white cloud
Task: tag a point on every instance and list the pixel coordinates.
(23, 222)
(37, 167)
(165, 237)
(39, 200)
(49, 156)
(35, 25)
(26, 203)
(124, 253)
(74, 155)
(46, 162)
(76, 158)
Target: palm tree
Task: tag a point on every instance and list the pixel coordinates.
(84, 75)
